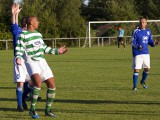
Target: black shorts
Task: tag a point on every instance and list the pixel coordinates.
(119, 39)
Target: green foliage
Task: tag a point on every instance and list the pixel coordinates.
(57, 18)
(148, 8)
(110, 32)
(68, 18)
(111, 10)
(121, 9)
(45, 14)
(71, 24)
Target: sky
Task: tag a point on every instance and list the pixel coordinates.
(18, 1)
(86, 2)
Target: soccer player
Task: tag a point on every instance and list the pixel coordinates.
(141, 38)
(21, 76)
(20, 72)
(120, 37)
(31, 44)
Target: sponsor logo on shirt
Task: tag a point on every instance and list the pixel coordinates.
(37, 43)
(145, 39)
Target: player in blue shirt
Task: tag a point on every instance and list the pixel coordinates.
(120, 37)
(20, 72)
(21, 76)
(141, 38)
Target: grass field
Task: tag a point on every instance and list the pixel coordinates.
(92, 84)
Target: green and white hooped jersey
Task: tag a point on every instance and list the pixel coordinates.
(31, 45)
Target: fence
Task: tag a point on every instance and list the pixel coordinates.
(76, 42)
(53, 42)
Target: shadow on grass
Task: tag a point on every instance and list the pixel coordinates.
(18, 117)
(7, 99)
(106, 102)
(116, 112)
(7, 88)
(92, 60)
(7, 108)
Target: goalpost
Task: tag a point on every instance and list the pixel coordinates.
(93, 22)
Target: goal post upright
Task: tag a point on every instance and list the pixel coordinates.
(92, 22)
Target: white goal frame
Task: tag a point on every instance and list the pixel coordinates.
(93, 22)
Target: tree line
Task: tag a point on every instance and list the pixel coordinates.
(69, 18)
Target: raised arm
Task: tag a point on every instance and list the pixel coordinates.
(15, 12)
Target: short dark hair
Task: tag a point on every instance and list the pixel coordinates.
(24, 22)
(142, 18)
(29, 20)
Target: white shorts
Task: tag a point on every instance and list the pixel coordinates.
(141, 61)
(41, 67)
(20, 72)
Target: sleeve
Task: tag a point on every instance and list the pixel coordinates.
(15, 29)
(150, 40)
(134, 41)
(50, 50)
(20, 47)
(123, 32)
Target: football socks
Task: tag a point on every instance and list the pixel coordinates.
(50, 97)
(135, 79)
(34, 97)
(19, 91)
(144, 76)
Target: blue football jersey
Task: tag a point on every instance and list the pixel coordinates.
(15, 30)
(121, 33)
(141, 38)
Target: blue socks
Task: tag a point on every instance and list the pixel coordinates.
(26, 90)
(144, 76)
(135, 79)
(19, 91)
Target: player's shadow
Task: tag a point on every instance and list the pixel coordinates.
(93, 60)
(7, 99)
(7, 108)
(104, 102)
(7, 88)
(116, 112)
(73, 101)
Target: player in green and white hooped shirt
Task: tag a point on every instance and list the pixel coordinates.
(33, 47)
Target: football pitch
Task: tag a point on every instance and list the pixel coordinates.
(91, 84)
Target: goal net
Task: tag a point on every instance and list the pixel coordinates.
(102, 33)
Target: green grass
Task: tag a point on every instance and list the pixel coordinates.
(92, 84)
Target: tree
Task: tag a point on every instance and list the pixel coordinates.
(47, 17)
(71, 24)
(5, 19)
(111, 10)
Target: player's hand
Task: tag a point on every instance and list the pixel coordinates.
(14, 9)
(18, 8)
(140, 48)
(156, 42)
(18, 61)
(62, 50)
